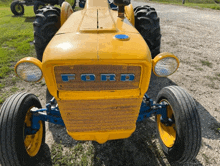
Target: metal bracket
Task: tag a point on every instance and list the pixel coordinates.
(148, 109)
(48, 114)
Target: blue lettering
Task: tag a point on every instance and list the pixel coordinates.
(67, 77)
(88, 77)
(127, 77)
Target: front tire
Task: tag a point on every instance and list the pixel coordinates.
(16, 147)
(148, 24)
(17, 8)
(46, 25)
(180, 141)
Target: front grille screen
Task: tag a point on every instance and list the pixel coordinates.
(97, 77)
(99, 115)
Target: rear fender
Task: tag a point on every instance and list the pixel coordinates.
(129, 12)
(66, 11)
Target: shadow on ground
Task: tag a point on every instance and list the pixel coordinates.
(141, 148)
(27, 19)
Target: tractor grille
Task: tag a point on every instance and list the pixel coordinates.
(100, 115)
(77, 84)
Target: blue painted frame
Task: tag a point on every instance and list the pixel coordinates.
(52, 114)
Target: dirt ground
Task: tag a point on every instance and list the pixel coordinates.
(193, 35)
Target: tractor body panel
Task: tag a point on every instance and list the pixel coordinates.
(97, 78)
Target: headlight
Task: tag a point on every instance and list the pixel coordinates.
(165, 64)
(29, 69)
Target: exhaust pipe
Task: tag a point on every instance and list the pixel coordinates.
(121, 6)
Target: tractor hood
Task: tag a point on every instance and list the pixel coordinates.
(92, 34)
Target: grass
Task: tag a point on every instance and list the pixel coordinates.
(193, 3)
(206, 158)
(15, 38)
(14, 89)
(81, 154)
(206, 63)
(16, 35)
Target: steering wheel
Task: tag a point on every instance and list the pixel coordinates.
(112, 5)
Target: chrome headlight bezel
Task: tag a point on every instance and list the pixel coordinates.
(165, 64)
(29, 69)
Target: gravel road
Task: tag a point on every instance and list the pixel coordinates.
(193, 35)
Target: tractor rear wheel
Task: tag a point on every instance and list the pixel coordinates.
(46, 24)
(17, 148)
(148, 24)
(181, 138)
(38, 5)
(17, 8)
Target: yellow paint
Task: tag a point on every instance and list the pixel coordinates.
(101, 137)
(66, 11)
(129, 12)
(88, 38)
(167, 133)
(29, 60)
(162, 56)
(33, 142)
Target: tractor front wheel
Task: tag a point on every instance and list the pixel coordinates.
(181, 137)
(18, 148)
(148, 24)
(17, 8)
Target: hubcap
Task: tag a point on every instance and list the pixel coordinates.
(167, 133)
(33, 142)
(18, 8)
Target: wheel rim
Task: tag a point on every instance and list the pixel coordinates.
(167, 133)
(33, 142)
(18, 8)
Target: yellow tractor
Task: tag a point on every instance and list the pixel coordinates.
(97, 64)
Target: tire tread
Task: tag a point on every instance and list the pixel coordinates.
(190, 130)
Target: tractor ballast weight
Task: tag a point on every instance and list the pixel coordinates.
(97, 67)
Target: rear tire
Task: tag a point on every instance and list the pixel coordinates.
(17, 8)
(38, 5)
(187, 137)
(148, 24)
(16, 148)
(46, 24)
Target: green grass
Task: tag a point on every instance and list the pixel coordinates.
(193, 3)
(15, 38)
(206, 63)
(81, 154)
(14, 89)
